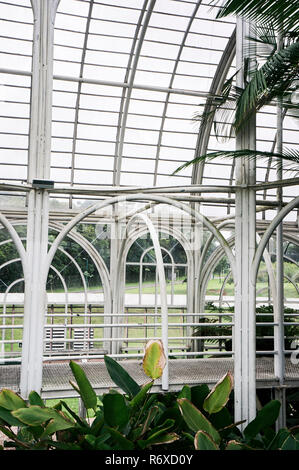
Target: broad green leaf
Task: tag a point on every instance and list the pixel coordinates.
(189, 437)
(59, 423)
(11, 400)
(86, 391)
(222, 419)
(235, 445)
(219, 395)
(290, 444)
(199, 394)
(73, 414)
(152, 400)
(35, 399)
(165, 426)
(122, 442)
(6, 416)
(265, 417)
(97, 424)
(284, 440)
(154, 359)
(150, 417)
(90, 439)
(281, 436)
(116, 412)
(174, 413)
(185, 392)
(139, 398)
(295, 432)
(95, 441)
(135, 433)
(167, 438)
(121, 377)
(196, 420)
(203, 441)
(157, 434)
(35, 415)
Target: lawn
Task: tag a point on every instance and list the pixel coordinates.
(214, 287)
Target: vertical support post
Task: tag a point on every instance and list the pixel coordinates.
(38, 201)
(114, 248)
(199, 300)
(245, 221)
(279, 358)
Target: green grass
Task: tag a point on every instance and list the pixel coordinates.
(214, 287)
(180, 288)
(72, 403)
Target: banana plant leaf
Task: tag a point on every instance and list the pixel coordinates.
(85, 389)
(121, 377)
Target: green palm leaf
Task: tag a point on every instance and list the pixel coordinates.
(276, 78)
(271, 81)
(288, 159)
(279, 12)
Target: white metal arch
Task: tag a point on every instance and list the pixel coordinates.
(96, 258)
(184, 242)
(266, 237)
(87, 247)
(141, 266)
(131, 197)
(17, 241)
(162, 281)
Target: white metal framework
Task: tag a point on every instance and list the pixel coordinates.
(99, 98)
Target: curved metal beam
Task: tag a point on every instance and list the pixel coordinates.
(178, 235)
(268, 233)
(141, 268)
(100, 205)
(162, 282)
(17, 241)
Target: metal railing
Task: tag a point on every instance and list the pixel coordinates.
(91, 334)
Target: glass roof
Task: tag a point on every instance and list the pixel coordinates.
(129, 76)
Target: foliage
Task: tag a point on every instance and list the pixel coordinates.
(195, 418)
(263, 11)
(133, 420)
(262, 344)
(214, 430)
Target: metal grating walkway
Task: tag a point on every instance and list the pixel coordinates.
(56, 376)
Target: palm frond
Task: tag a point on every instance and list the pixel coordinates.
(221, 109)
(271, 81)
(261, 42)
(233, 106)
(287, 160)
(279, 12)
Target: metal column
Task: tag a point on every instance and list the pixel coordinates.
(279, 358)
(245, 221)
(38, 200)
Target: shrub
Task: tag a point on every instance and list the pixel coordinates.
(194, 418)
